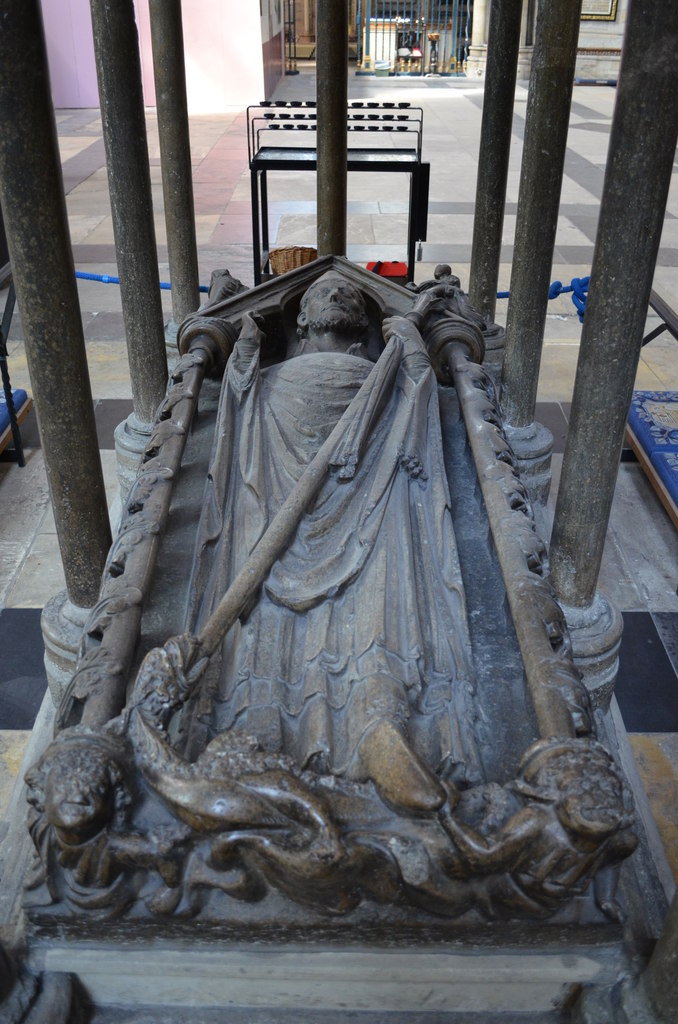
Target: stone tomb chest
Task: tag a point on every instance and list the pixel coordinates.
(326, 715)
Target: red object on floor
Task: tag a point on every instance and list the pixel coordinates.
(392, 269)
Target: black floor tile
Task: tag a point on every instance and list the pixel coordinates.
(603, 129)
(30, 435)
(579, 256)
(81, 166)
(553, 417)
(90, 252)
(22, 674)
(105, 326)
(452, 208)
(586, 173)
(647, 684)
(108, 413)
(587, 223)
(581, 110)
(20, 701)
(667, 627)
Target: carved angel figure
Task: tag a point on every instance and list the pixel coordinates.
(566, 817)
(354, 658)
(79, 799)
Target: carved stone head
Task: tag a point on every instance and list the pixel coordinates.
(332, 318)
(581, 780)
(79, 785)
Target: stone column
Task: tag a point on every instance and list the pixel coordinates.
(116, 49)
(34, 210)
(541, 175)
(175, 156)
(332, 100)
(477, 54)
(637, 179)
(495, 149)
(526, 40)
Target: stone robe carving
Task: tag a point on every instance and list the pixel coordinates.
(362, 621)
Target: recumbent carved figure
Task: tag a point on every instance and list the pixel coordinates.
(326, 739)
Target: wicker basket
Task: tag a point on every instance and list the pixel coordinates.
(291, 256)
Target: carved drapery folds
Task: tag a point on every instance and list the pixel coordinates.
(170, 795)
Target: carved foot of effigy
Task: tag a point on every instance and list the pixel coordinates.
(402, 779)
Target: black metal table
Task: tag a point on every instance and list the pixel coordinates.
(276, 155)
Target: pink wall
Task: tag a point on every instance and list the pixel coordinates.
(222, 43)
(70, 53)
(229, 62)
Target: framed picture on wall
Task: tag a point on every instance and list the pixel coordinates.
(599, 10)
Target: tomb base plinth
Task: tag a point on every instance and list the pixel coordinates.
(432, 981)
(189, 868)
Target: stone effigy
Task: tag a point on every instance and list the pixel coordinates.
(324, 729)
(340, 663)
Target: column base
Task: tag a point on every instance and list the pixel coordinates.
(524, 63)
(171, 347)
(596, 633)
(62, 624)
(171, 331)
(131, 438)
(476, 62)
(495, 341)
(533, 446)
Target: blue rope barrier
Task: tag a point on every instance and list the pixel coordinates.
(578, 286)
(109, 279)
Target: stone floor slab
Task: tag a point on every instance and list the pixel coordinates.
(657, 759)
(13, 743)
(41, 575)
